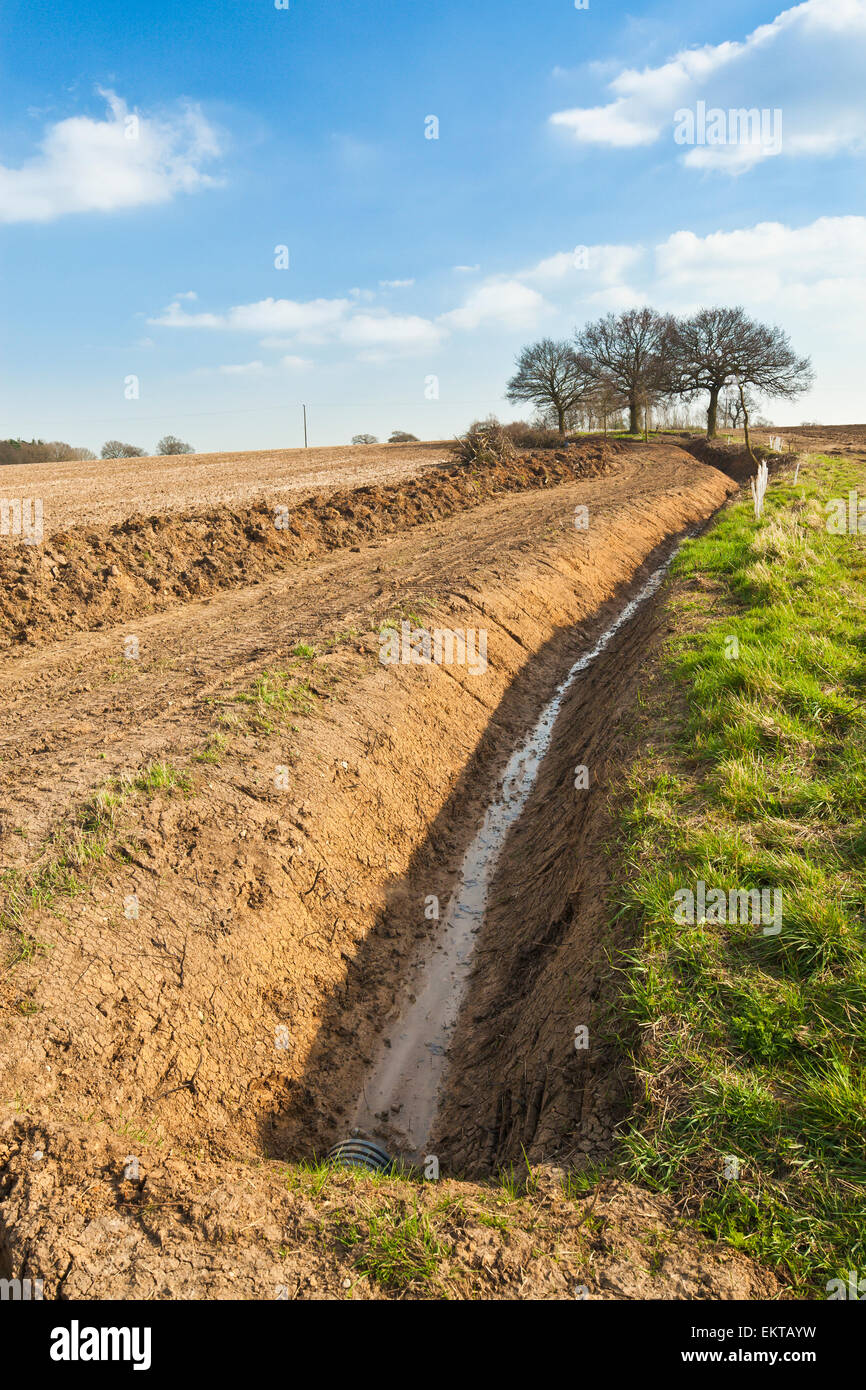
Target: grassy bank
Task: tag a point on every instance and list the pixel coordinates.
(749, 1043)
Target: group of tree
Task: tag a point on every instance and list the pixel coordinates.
(397, 437)
(169, 444)
(640, 360)
(55, 451)
(40, 451)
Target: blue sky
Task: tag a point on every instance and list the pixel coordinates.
(152, 159)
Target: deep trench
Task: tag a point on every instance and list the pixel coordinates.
(533, 949)
(440, 1083)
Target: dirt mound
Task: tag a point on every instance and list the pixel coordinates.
(84, 579)
(100, 492)
(732, 459)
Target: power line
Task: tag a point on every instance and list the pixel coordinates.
(260, 409)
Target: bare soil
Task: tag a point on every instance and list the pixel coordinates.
(224, 1031)
(105, 491)
(87, 578)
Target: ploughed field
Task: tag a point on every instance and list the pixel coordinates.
(108, 490)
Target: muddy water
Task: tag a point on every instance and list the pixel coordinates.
(400, 1097)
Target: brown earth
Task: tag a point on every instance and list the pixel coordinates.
(104, 491)
(86, 578)
(225, 1030)
(814, 438)
(190, 1228)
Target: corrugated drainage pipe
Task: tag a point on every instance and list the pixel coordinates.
(361, 1153)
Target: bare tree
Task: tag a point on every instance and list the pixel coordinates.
(766, 362)
(170, 444)
(705, 349)
(364, 439)
(720, 347)
(633, 350)
(38, 451)
(745, 405)
(403, 437)
(114, 449)
(729, 407)
(553, 376)
(605, 401)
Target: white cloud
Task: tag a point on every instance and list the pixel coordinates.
(509, 302)
(173, 316)
(286, 322)
(125, 160)
(405, 331)
(599, 277)
(773, 69)
(606, 125)
(243, 369)
(395, 284)
(254, 369)
(270, 316)
(603, 264)
(771, 267)
(287, 316)
(466, 269)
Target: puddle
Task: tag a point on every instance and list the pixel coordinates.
(405, 1083)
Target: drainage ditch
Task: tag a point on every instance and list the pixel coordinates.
(428, 1058)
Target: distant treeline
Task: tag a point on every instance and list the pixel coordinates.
(40, 451)
(55, 451)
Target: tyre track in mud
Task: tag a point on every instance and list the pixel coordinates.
(84, 578)
(67, 704)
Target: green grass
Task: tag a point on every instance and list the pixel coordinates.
(214, 750)
(160, 777)
(274, 696)
(752, 1046)
(71, 853)
(516, 1183)
(397, 1249)
(309, 1176)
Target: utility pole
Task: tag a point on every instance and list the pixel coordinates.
(305, 427)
